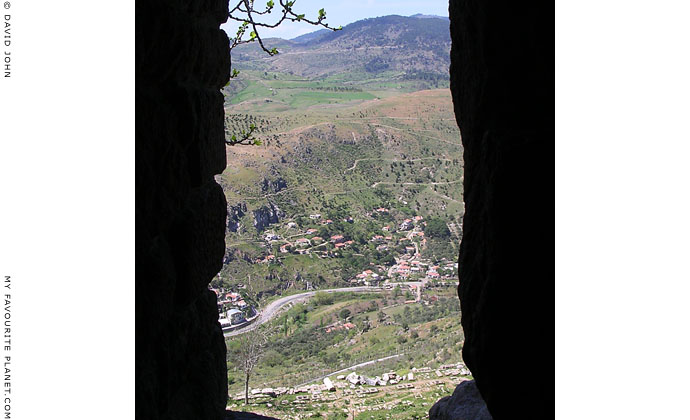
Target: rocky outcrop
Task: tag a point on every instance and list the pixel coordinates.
(265, 216)
(465, 404)
(502, 64)
(235, 213)
(182, 62)
(273, 186)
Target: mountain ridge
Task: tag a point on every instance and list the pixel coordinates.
(394, 43)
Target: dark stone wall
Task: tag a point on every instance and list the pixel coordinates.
(465, 404)
(502, 66)
(182, 61)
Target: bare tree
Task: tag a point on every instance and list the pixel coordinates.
(252, 346)
(249, 16)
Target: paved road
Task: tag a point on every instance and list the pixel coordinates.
(274, 307)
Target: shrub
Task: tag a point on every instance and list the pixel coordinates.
(344, 313)
(323, 298)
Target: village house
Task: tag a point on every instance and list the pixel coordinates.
(291, 225)
(386, 228)
(349, 219)
(336, 239)
(235, 316)
(345, 326)
(328, 222)
(317, 239)
(302, 242)
(270, 236)
(406, 225)
(314, 216)
(377, 238)
(268, 259)
(311, 231)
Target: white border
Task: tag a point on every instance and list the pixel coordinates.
(67, 202)
(622, 210)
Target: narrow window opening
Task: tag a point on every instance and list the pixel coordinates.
(338, 293)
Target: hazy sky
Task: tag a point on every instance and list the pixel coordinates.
(342, 12)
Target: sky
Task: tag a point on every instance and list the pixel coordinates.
(342, 12)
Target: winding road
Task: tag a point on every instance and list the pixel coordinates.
(273, 308)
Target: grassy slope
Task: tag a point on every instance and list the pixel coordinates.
(402, 144)
(285, 360)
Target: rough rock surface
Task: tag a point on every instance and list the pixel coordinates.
(502, 64)
(273, 186)
(465, 404)
(182, 62)
(267, 215)
(235, 213)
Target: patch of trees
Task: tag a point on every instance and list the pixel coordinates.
(337, 89)
(436, 228)
(441, 309)
(437, 249)
(376, 65)
(426, 76)
(323, 298)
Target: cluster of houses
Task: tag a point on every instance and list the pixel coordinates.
(231, 307)
(405, 269)
(409, 264)
(366, 277)
(317, 216)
